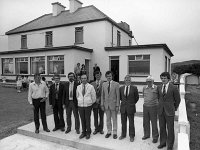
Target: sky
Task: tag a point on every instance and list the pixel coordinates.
(174, 22)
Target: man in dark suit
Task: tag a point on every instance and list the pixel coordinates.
(70, 103)
(97, 111)
(55, 100)
(95, 68)
(169, 99)
(129, 97)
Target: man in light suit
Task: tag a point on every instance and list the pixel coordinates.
(169, 99)
(129, 97)
(97, 111)
(55, 100)
(110, 103)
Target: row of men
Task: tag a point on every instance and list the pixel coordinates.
(101, 97)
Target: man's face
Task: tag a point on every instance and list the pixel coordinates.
(164, 79)
(78, 65)
(98, 76)
(56, 79)
(127, 81)
(109, 77)
(71, 77)
(37, 78)
(149, 83)
(84, 79)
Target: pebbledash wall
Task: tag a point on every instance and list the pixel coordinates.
(99, 44)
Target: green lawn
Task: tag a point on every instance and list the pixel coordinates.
(193, 117)
(15, 111)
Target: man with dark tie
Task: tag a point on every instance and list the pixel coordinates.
(168, 102)
(97, 111)
(129, 97)
(37, 96)
(86, 97)
(55, 100)
(110, 103)
(70, 103)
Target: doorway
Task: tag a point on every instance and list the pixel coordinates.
(114, 67)
(87, 66)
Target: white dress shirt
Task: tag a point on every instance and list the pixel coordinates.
(71, 86)
(166, 87)
(125, 90)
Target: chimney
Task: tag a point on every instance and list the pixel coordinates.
(57, 8)
(74, 5)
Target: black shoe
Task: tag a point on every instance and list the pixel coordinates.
(87, 136)
(95, 132)
(62, 129)
(114, 136)
(108, 135)
(155, 141)
(121, 137)
(55, 129)
(101, 132)
(82, 136)
(145, 137)
(161, 146)
(47, 130)
(37, 131)
(67, 131)
(131, 139)
(77, 131)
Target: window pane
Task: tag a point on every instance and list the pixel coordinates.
(139, 67)
(7, 64)
(56, 64)
(79, 35)
(138, 57)
(38, 65)
(21, 65)
(146, 57)
(132, 57)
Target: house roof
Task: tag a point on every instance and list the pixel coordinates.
(47, 49)
(65, 18)
(166, 48)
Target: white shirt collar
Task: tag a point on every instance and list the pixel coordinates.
(153, 86)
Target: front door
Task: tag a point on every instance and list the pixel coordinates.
(114, 67)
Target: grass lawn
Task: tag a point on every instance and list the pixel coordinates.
(193, 96)
(15, 110)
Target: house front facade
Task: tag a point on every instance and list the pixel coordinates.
(56, 42)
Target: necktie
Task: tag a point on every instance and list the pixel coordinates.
(126, 91)
(164, 90)
(109, 87)
(83, 91)
(71, 94)
(57, 87)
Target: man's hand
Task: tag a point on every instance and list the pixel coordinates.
(117, 108)
(102, 108)
(44, 99)
(64, 107)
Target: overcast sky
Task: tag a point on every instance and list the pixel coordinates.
(174, 22)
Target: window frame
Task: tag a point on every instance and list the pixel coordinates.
(79, 31)
(2, 61)
(31, 61)
(24, 41)
(26, 59)
(48, 63)
(118, 38)
(49, 39)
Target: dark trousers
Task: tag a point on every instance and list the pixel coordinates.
(98, 117)
(58, 115)
(85, 113)
(72, 108)
(124, 117)
(164, 135)
(150, 115)
(39, 107)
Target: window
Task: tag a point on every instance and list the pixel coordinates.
(118, 38)
(21, 65)
(78, 35)
(56, 64)
(130, 42)
(7, 66)
(23, 41)
(38, 65)
(165, 63)
(139, 64)
(48, 39)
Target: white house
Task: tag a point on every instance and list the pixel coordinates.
(56, 42)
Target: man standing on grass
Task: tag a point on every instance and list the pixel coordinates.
(37, 96)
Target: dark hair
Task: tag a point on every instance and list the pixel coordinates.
(43, 79)
(71, 73)
(84, 74)
(108, 72)
(36, 74)
(165, 74)
(56, 75)
(97, 72)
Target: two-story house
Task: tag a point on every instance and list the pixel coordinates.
(56, 42)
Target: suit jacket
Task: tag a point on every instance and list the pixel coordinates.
(112, 98)
(66, 94)
(98, 92)
(128, 104)
(170, 102)
(52, 94)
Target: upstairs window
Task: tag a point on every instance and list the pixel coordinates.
(139, 64)
(21, 65)
(79, 35)
(166, 63)
(7, 66)
(48, 39)
(118, 38)
(23, 41)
